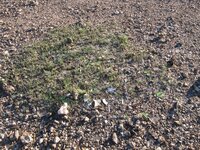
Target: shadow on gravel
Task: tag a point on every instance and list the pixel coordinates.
(194, 90)
(3, 93)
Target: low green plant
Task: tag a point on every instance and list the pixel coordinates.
(160, 94)
(144, 115)
(73, 59)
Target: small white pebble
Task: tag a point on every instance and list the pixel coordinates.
(51, 129)
(6, 53)
(86, 119)
(17, 134)
(41, 140)
(159, 148)
(57, 139)
(104, 102)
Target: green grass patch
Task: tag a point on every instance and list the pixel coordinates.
(70, 60)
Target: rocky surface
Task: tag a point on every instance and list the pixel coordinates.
(151, 119)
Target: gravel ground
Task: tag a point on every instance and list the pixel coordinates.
(150, 119)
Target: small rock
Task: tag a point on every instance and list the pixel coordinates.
(120, 127)
(186, 84)
(178, 123)
(57, 139)
(41, 140)
(104, 102)
(96, 103)
(26, 138)
(51, 129)
(56, 122)
(144, 148)
(115, 138)
(26, 116)
(86, 119)
(63, 109)
(17, 134)
(53, 146)
(6, 53)
(66, 118)
(158, 148)
(116, 12)
(106, 121)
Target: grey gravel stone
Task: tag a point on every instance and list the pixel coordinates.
(115, 138)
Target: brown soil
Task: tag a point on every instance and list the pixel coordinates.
(170, 29)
